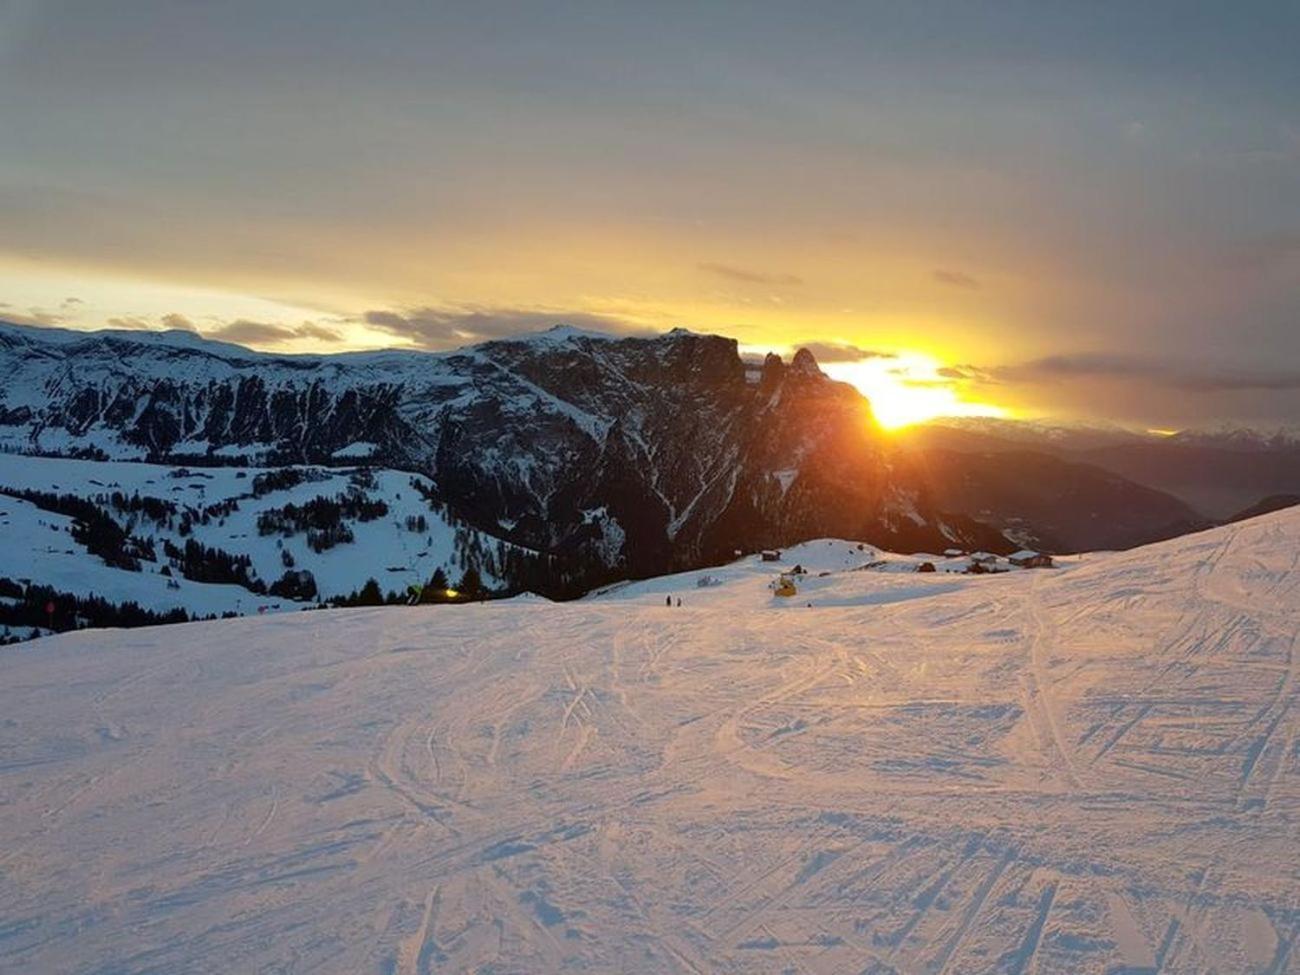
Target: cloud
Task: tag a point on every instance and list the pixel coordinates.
(240, 331)
(33, 316)
(965, 372)
(178, 321)
(322, 333)
(1185, 377)
(748, 276)
(956, 279)
(1238, 381)
(244, 332)
(448, 328)
(1080, 364)
(839, 352)
(129, 322)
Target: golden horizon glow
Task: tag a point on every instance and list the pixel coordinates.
(908, 388)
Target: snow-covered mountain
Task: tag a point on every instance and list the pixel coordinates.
(1061, 434)
(1080, 435)
(1250, 439)
(637, 454)
(224, 540)
(1066, 772)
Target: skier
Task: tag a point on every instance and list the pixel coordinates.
(679, 600)
(668, 601)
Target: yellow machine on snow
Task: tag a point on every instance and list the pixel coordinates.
(785, 587)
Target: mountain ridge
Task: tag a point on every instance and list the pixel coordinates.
(641, 454)
(1218, 471)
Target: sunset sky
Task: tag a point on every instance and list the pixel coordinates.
(1083, 210)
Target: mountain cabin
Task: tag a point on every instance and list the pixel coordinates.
(771, 555)
(1029, 559)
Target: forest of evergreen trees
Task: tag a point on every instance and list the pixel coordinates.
(24, 611)
(203, 563)
(322, 518)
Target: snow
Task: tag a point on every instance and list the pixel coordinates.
(359, 449)
(383, 548)
(560, 334)
(1085, 771)
(612, 535)
(38, 548)
(786, 478)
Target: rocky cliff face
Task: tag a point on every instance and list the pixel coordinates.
(641, 454)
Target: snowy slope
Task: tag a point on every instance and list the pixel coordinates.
(37, 549)
(38, 545)
(831, 568)
(1081, 771)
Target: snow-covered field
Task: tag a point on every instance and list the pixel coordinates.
(38, 547)
(1085, 770)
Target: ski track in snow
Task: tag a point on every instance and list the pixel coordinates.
(1093, 770)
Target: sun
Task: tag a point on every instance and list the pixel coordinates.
(907, 389)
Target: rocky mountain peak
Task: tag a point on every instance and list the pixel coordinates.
(773, 371)
(805, 363)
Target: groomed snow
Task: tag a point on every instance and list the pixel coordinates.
(1081, 771)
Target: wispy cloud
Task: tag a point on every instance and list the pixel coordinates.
(956, 279)
(241, 331)
(32, 316)
(748, 275)
(1185, 377)
(246, 332)
(840, 352)
(964, 373)
(178, 321)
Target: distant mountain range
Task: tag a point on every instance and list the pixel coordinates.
(1218, 472)
(615, 456)
(1048, 502)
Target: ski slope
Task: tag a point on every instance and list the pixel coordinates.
(1089, 770)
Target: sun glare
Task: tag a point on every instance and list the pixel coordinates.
(907, 389)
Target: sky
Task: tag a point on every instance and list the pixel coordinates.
(1084, 210)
